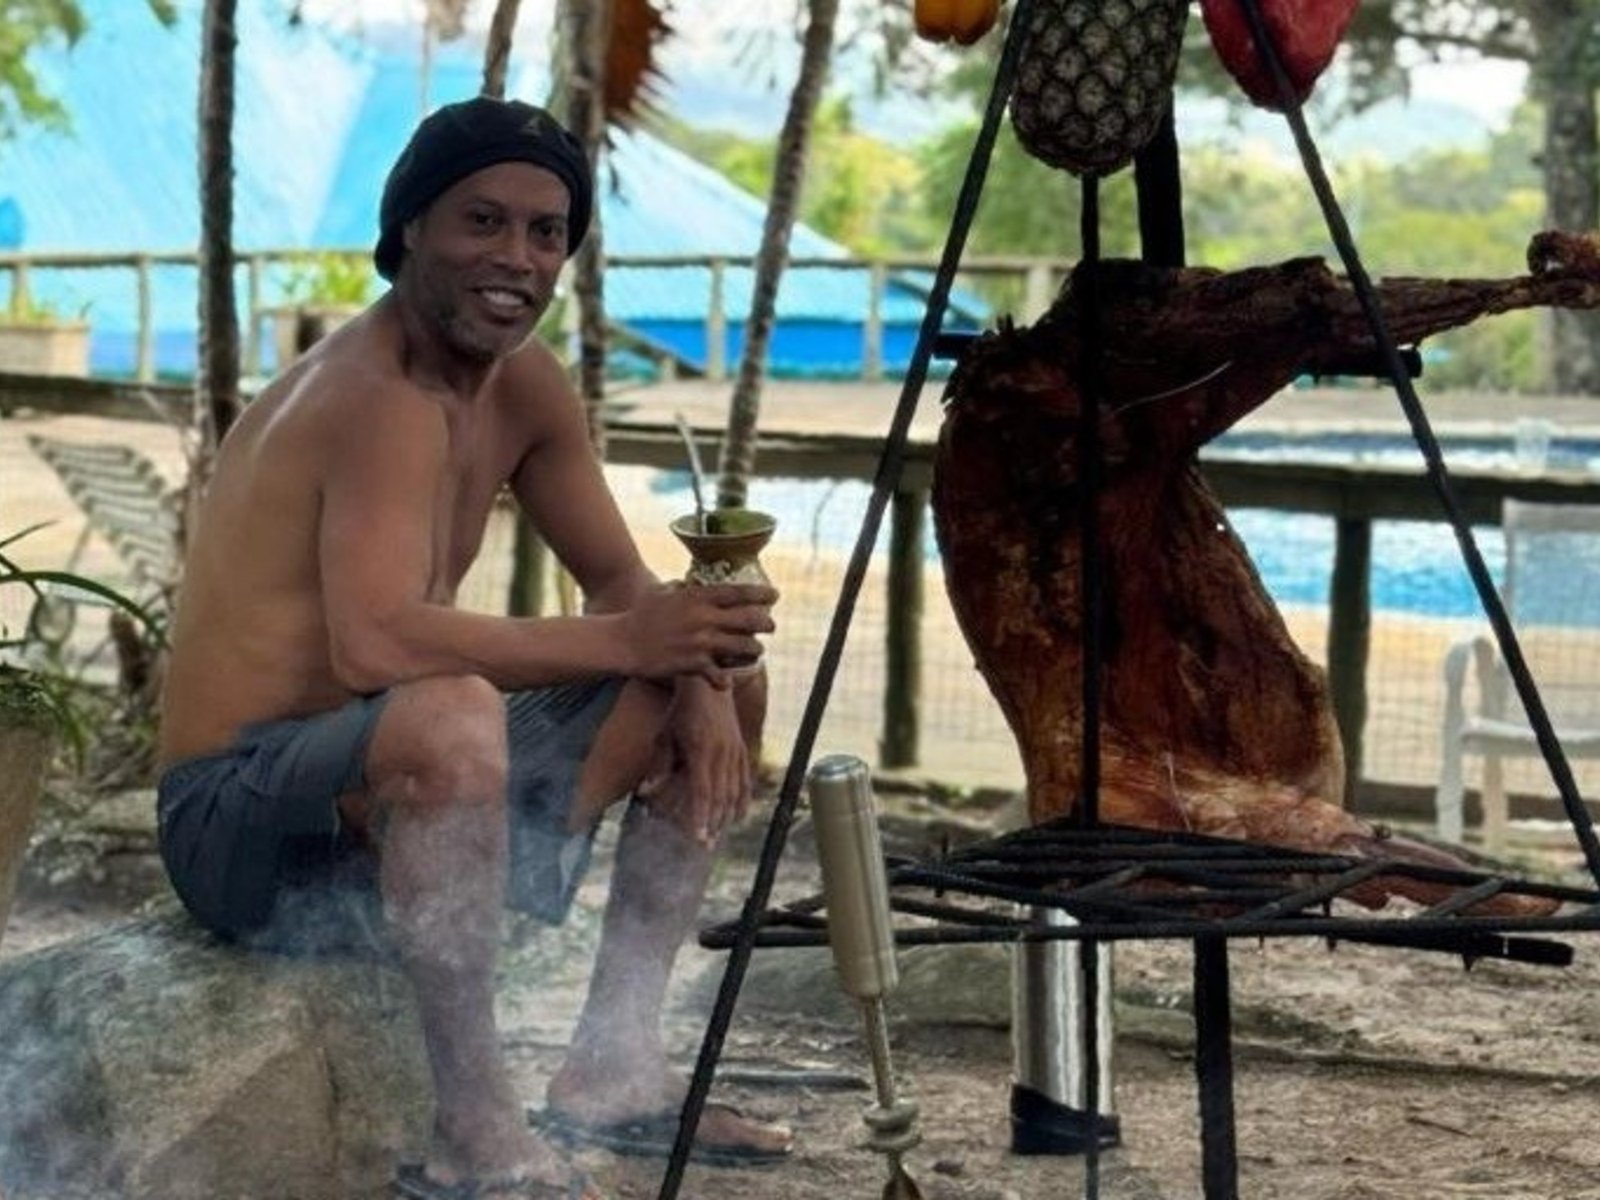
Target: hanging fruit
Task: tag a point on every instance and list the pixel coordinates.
(1095, 79)
(961, 21)
(1305, 32)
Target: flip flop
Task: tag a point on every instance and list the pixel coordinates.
(653, 1136)
(412, 1182)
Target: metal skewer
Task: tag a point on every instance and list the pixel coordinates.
(855, 887)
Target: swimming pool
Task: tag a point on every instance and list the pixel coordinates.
(1416, 565)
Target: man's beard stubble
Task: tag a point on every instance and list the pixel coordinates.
(467, 337)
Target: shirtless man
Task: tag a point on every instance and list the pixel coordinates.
(329, 712)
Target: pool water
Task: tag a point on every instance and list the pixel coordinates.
(1416, 565)
(1563, 453)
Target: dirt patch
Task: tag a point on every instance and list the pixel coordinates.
(1361, 1073)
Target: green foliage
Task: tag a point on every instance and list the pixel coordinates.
(25, 24)
(26, 309)
(1451, 213)
(1242, 209)
(1455, 212)
(28, 701)
(33, 690)
(858, 190)
(1026, 207)
(330, 279)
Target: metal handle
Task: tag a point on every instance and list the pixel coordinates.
(854, 883)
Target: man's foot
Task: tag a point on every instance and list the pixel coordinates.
(628, 1101)
(490, 1151)
(725, 1137)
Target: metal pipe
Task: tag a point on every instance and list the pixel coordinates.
(856, 889)
(1049, 1022)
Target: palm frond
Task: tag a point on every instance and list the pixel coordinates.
(633, 75)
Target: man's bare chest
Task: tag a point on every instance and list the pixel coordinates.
(477, 471)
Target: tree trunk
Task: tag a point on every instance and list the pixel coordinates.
(217, 395)
(525, 596)
(744, 409)
(1570, 160)
(497, 52)
(586, 27)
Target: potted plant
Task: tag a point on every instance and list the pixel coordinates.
(37, 338)
(37, 707)
(321, 291)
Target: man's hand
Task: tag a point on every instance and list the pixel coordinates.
(674, 629)
(702, 777)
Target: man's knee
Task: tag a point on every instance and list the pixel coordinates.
(442, 741)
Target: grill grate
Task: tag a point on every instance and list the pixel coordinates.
(1122, 884)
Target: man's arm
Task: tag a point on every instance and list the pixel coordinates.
(386, 596)
(563, 488)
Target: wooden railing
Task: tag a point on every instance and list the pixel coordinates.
(1035, 281)
(1355, 495)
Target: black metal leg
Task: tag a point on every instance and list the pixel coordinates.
(1159, 185)
(1213, 1065)
(1089, 976)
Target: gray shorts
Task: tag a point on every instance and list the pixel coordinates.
(252, 840)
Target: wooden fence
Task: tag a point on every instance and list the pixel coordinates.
(1035, 281)
(1355, 496)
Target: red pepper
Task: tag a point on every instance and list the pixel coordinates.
(1306, 33)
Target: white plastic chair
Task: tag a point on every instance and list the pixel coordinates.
(1552, 592)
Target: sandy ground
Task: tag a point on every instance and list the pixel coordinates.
(1361, 1073)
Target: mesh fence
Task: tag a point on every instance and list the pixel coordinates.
(964, 740)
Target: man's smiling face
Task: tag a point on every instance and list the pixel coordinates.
(486, 254)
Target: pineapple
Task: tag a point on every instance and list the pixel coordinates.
(1094, 80)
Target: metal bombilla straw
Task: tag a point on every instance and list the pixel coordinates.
(697, 473)
(856, 891)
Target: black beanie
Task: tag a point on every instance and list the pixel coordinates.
(465, 137)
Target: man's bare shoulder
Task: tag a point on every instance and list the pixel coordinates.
(533, 390)
(348, 382)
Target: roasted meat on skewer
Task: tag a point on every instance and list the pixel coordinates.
(1213, 721)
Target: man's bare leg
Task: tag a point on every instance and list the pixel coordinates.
(435, 807)
(616, 1067)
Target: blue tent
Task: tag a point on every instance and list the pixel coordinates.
(318, 121)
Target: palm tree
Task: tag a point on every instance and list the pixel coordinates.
(604, 69)
(605, 77)
(497, 48)
(217, 381)
(584, 35)
(744, 407)
(216, 396)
